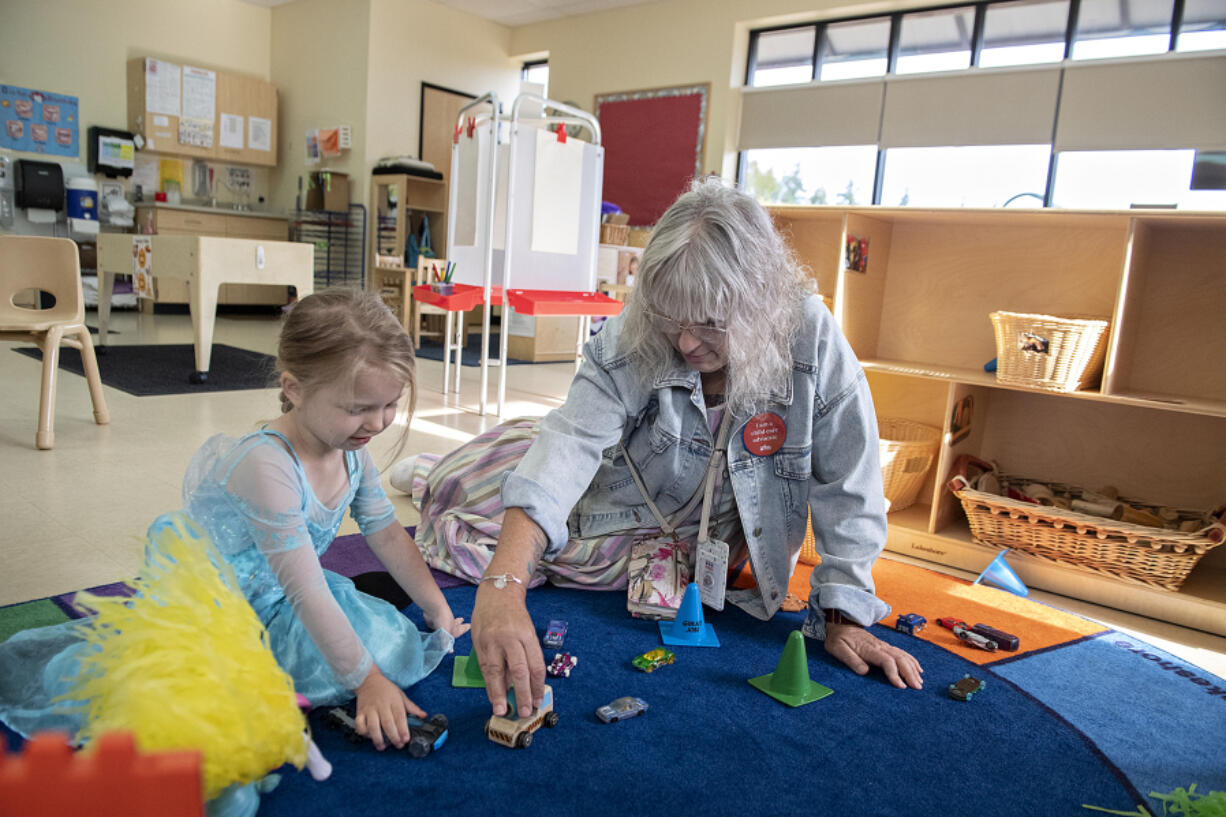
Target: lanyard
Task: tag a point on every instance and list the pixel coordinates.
(716, 462)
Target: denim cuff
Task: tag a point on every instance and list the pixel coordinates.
(860, 606)
(529, 496)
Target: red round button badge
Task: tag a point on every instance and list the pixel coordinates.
(764, 434)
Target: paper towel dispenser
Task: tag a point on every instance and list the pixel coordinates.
(39, 185)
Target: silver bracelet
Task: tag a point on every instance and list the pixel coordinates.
(500, 580)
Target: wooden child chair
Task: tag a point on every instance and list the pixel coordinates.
(50, 265)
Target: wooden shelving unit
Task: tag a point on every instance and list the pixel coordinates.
(398, 203)
(1156, 427)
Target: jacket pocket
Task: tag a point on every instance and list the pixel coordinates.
(793, 463)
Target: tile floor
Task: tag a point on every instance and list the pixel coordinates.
(76, 516)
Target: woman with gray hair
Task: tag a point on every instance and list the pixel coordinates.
(708, 419)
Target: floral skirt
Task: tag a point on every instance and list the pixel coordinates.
(460, 500)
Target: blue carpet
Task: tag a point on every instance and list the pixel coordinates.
(1162, 720)
(712, 744)
(1103, 721)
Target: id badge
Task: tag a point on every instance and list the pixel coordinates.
(711, 571)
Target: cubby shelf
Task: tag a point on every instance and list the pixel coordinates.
(917, 317)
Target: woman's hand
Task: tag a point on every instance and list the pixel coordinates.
(382, 707)
(858, 648)
(505, 643)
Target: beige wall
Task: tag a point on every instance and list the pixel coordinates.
(81, 47)
(675, 42)
(415, 41)
(318, 58)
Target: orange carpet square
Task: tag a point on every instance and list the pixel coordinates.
(910, 589)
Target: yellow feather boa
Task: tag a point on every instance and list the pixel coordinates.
(185, 664)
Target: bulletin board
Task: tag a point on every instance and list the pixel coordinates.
(38, 121)
(653, 144)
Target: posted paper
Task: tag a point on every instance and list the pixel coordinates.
(557, 185)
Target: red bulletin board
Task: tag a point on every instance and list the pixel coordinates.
(653, 143)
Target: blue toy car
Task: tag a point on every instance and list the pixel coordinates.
(555, 634)
(910, 623)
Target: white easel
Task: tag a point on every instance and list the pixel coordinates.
(552, 283)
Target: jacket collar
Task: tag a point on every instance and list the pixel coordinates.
(680, 375)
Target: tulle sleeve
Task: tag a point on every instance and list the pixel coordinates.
(266, 489)
(371, 508)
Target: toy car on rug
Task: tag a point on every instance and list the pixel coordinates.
(424, 736)
(516, 733)
(561, 665)
(621, 709)
(965, 689)
(653, 659)
(555, 634)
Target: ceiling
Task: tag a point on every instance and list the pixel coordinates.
(516, 12)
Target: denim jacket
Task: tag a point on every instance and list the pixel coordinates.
(573, 482)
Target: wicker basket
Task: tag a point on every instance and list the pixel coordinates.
(614, 233)
(1137, 553)
(907, 451)
(1049, 352)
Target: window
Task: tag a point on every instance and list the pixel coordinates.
(1122, 28)
(855, 49)
(537, 72)
(1123, 178)
(784, 57)
(825, 175)
(1203, 27)
(1024, 32)
(991, 176)
(936, 40)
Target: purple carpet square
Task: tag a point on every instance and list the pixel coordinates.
(351, 556)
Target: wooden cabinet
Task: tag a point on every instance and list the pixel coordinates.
(172, 221)
(400, 203)
(917, 318)
(246, 107)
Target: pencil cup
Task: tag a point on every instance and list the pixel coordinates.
(443, 289)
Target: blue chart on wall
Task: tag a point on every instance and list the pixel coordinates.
(38, 121)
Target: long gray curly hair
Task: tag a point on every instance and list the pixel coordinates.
(715, 257)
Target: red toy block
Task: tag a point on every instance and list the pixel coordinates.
(113, 780)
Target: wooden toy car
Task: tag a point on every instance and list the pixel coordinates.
(652, 659)
(516, 732)
(424, 736)
(965, 689)
(622, 708)
(561, 665)
(555, 634)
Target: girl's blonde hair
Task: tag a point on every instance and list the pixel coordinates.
(715, 256)
(332, 335)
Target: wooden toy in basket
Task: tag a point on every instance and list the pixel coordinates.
(1049, 352)
(1145, 554)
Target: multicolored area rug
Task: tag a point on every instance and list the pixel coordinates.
(1080, 714)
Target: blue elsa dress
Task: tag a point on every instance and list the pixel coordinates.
(252, 496)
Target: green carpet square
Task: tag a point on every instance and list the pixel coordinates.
(18, 617)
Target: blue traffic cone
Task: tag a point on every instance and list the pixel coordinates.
(689, 629)
(999, 573)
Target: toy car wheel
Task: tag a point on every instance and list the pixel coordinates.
(439, 720)
(551, 719)
(523, 741)
(420, 746)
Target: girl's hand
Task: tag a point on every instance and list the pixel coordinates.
(381, 711)
(446, 621)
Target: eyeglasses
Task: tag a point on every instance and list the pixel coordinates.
(703, 332)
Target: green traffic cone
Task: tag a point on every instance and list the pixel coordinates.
(790, 682)
(466, 672)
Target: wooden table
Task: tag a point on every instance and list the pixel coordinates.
(205, 263)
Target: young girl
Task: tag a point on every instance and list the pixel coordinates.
(272, 502)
